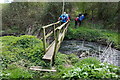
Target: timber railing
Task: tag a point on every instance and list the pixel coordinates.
(45, 36)
(58, 33)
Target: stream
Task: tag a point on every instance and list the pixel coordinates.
(85, 49)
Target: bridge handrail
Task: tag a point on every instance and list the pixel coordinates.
(62, 25)
(48, 34)
(50, 24)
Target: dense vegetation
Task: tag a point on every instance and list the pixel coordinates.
(101, 24)
(20, 17)
(20, 53)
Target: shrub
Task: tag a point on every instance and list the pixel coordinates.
(23, 51)
(89, 60)
(60, 59)
(15, 72)
(24, 47)
(91, 70)
(73, 58)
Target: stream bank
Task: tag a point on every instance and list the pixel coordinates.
(85, 49)
(93, 33)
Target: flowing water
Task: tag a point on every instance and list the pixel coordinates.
(85, 49)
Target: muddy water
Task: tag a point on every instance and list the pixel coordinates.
(85, 49)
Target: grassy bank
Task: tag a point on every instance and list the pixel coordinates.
(93, 32)
(20, 53)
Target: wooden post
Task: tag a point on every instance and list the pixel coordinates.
(56, 41)
(44, 40)
(54, 32)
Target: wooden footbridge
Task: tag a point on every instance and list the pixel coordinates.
(56, 31)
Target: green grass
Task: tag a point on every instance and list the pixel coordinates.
(90, 32)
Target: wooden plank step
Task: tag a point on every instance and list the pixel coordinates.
(49, 54)
(36, 68)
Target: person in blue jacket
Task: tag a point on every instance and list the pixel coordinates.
(79, 19)
(63, 18)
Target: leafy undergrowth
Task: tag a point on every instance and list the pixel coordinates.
(88, 68)
(91, 68)
(91, 32)
(91, 71)
(19, 53)
(15, 72)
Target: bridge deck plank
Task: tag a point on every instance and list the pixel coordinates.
(49, 54)
(60, 35)
(40, 69)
